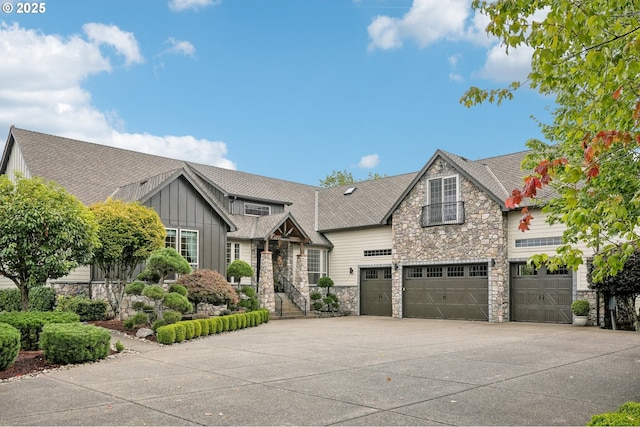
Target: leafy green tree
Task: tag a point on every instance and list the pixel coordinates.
(586, 56)
(239, 269)
(166, 261)
(45, 233)
(128, 233)
(343, 177)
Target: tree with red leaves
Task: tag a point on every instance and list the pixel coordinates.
(586, 55)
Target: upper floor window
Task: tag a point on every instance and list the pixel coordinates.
(443, 205)
(256, 210)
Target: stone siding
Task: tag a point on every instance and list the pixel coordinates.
(482, 238)
(348, 297)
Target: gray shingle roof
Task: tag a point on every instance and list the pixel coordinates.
(93, 172)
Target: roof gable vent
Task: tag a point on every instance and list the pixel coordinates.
(349, 190)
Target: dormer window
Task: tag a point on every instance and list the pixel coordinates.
(254, 209)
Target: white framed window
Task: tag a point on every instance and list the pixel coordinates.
(443, 204)
(189, 247)
(233, 252)
(316, 265)
(171, 241)
(254, 209)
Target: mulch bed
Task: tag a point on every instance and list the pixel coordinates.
(32, 362)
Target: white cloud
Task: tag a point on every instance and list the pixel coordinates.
(500, 67)
(426, 22)
(180, 5)
(181, 47)
(41, 89)
(123, 42)
(370, 161)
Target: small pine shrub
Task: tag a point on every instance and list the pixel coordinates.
(172, 316)
(177, 302)
(119, 346)
(154, 292)
(175, 287)
(135, 288)
(9, 345)
(30, 324)
(157, 324)
(149, 276)
(138, 305)
(166, 334)
(42, 298)
(138, 319)
(66, 343)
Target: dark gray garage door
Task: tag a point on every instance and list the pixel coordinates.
(446, 292)
(539, 295)
(375, 291)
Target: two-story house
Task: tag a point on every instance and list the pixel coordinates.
(439, 243)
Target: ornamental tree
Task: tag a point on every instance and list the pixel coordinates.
(166, 261)
(45, 233)
(128, 233)
(208, 286)
(239, 269)
(586, 55)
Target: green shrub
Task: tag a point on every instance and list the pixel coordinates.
(135, 288)
(181, 332)
(42, 298)
(213, 325)
(154, 292)
(204, 327)
(119, 346)
(172, 316)
(138, 319)
(627, 414)
(175, 301)
(30, 324)
(74, 343)
(9, 345)
(149, 276)
(175, 287)
(84, 307)
(317, 305)
(233, 322)
(580, 307)
(139, 306)
(225, 323)
(157, 324)
(189, 329)
(265, 315)
(315, 296)
(166, 334)
(10, 300)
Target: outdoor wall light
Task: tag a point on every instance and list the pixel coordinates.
(395, 266)
(350, 270)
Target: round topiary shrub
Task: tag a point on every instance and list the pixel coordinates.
(135, 288)
(74, 343)
(177, 302)
(175, 287)
(153, 292)
(9, 345)
(172, 316)
(137, 319)
(166, 334)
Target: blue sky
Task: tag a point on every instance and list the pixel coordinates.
(291, 89)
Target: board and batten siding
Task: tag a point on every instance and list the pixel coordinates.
(81, 274)
(348, 252)
(539, 229)
(17, 164)
(181, 206)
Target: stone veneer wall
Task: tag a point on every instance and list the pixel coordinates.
(347, 297)
(481, 238)
(590, 295)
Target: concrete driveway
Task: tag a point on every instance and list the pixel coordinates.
(345, 371)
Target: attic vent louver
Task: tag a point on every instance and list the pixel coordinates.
(349, 190)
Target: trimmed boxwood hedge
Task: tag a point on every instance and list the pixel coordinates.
(66, 343)
(30, 324)
(189, 329)
(9, 345)
(627, 414)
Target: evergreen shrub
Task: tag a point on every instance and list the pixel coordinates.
(66, 343)
(42, 298)
(9, 345)
(84, 307)
(166, 334)
(135, 288)
(10, 300)
(30, 324)
(172, 316)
